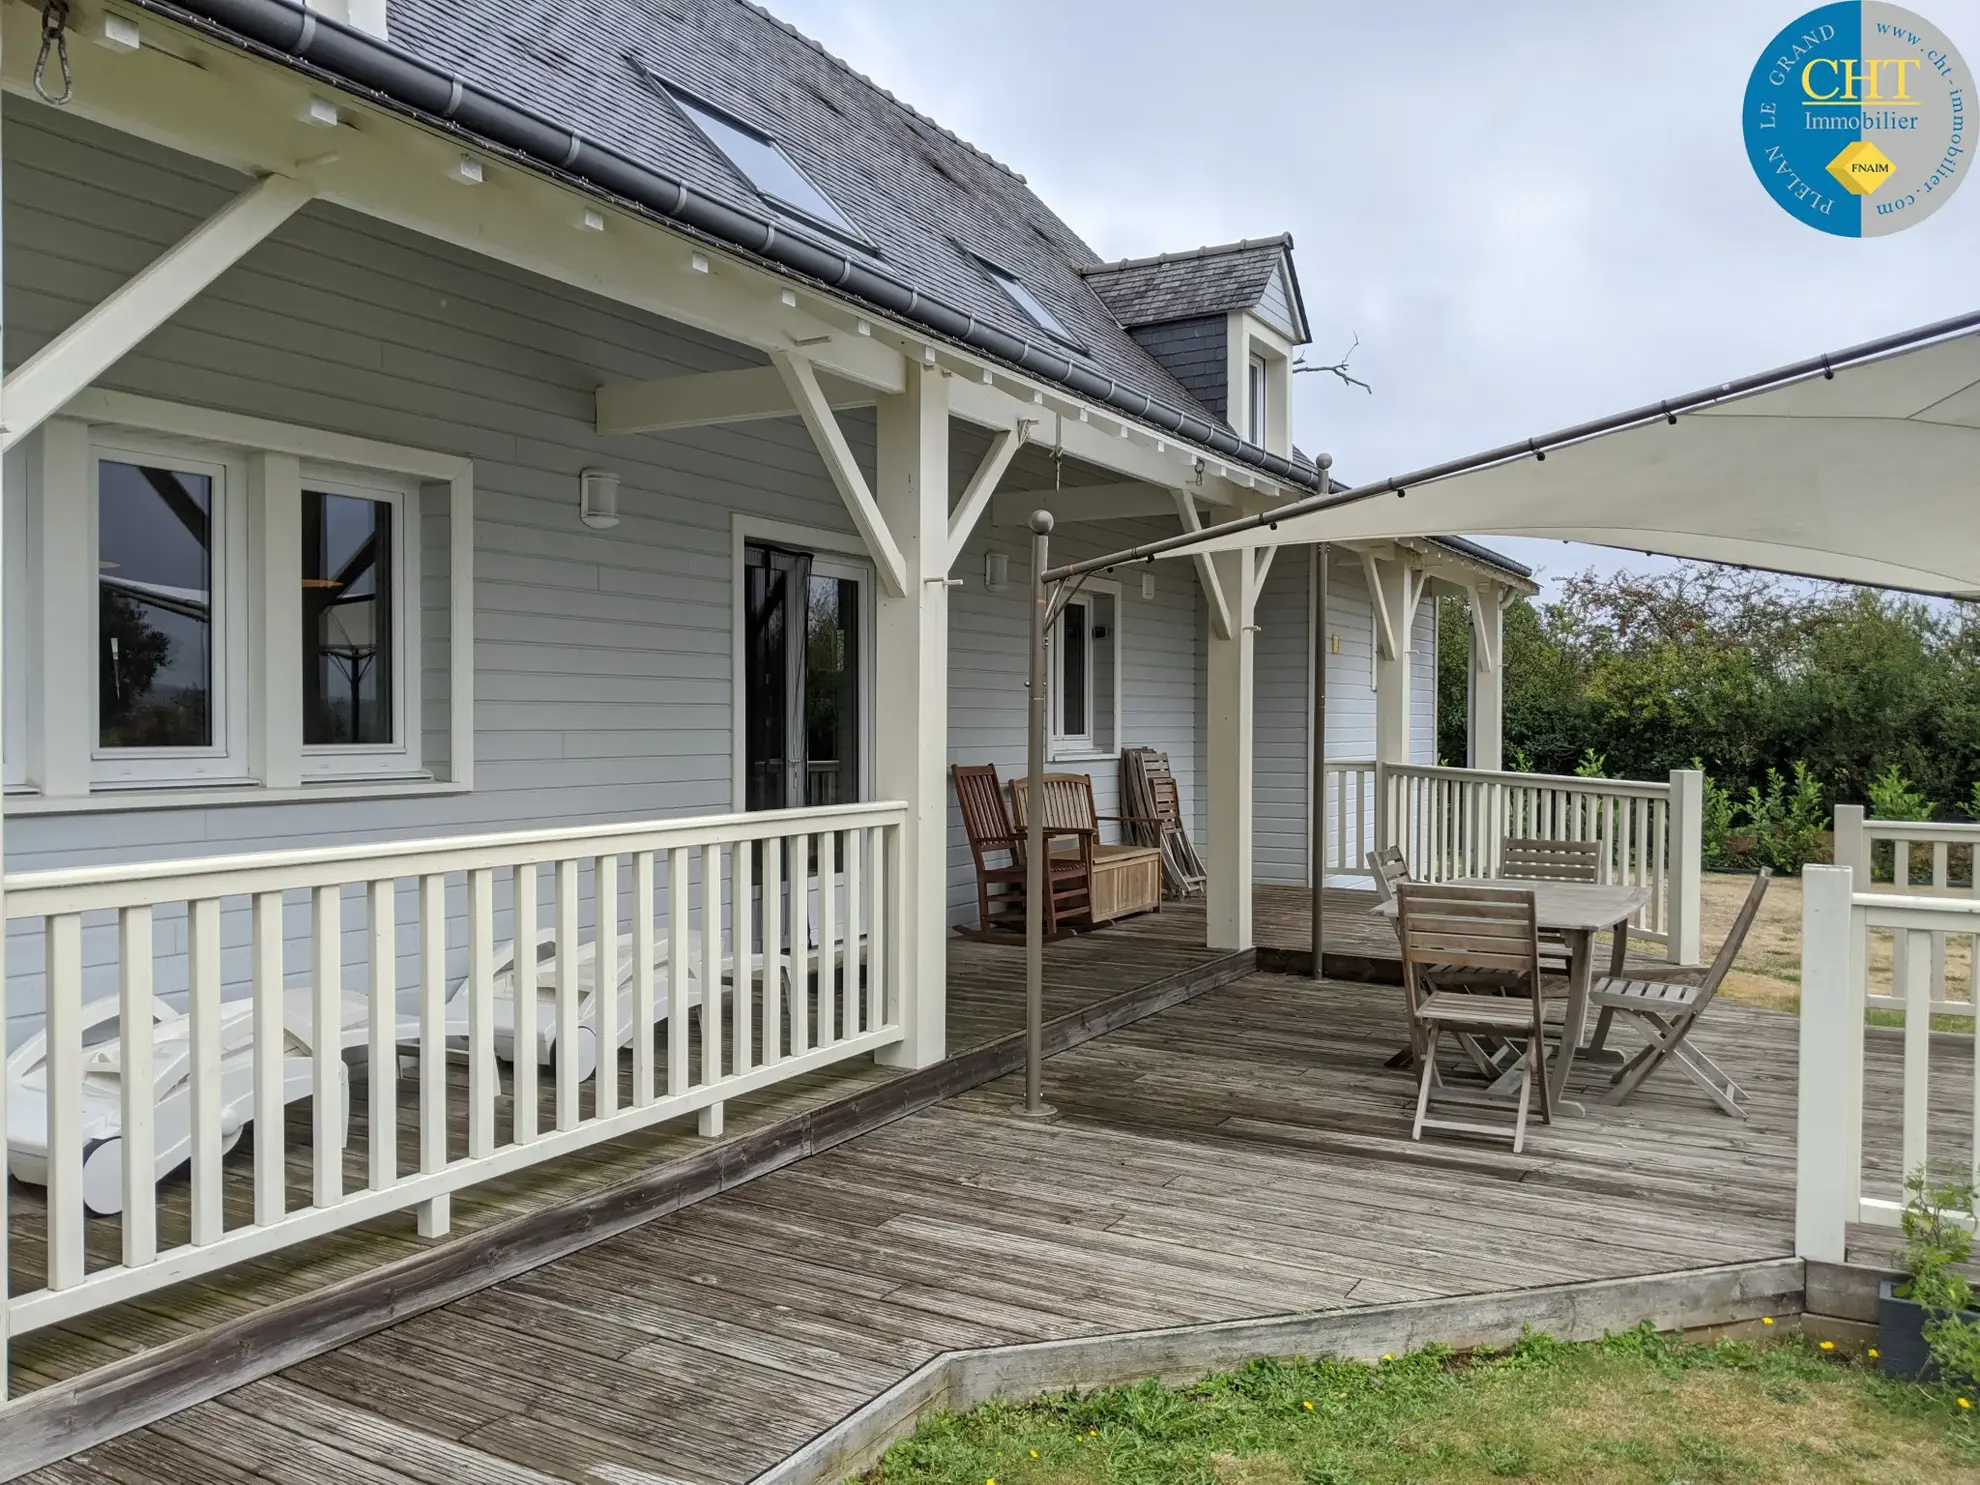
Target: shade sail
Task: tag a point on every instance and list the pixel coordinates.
(1871, 476)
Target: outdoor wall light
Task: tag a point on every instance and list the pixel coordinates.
(598, 499)
(996, 572)
(1148, 587)
(466, 171)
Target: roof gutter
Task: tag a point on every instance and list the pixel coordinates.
(1536, 448)
(284, 31)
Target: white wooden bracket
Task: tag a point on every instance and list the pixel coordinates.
(1206, 570)
(109, 332)
(1487, 630)
(1261, 565)
(1395, 611)
(819, 419)
(982, 485)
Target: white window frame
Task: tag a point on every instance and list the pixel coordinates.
(224, 761)
(50, 699)
(1258, 396)
(402, 754)
(1062, 746)
(839, 554)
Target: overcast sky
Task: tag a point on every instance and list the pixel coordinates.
(1531, 211)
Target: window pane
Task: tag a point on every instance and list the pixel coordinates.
(154, 591)
(765, 166)
(347, 620)
(1257, 398)
(1033, 307)
(832, 692)
(1073, 631)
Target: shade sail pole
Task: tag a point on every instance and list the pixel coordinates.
(1316, 850)
(1037, 877)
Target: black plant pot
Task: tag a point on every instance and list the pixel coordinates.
(1901, 1348)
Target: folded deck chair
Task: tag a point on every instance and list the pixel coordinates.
(171, 1063)
(545, 1035)
(1666, 1014)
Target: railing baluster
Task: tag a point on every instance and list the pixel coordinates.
(678, 966)
(828, 937)
(1941, 880)
(138, 1088)
(569, 1025)
(773, 950)
(890, 893)
(484, 1082)
(203, 991)
(1917, 1046)
(605, 984)
(382, 1080)
(858, 1014)
(523, 1004)
(798, 853)
(711, 964)
(271, 1145)
(64, 1072)
(644, 1008)
(742, 1055)
(435, 1215)
(327, 1048)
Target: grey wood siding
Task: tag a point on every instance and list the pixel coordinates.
(1275, 305)
(602, 658)
(1281, 782)
(1194, 351)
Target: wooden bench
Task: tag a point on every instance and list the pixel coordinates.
(1124, 879)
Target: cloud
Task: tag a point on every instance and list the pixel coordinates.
(1531, 213)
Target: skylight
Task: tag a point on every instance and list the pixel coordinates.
(761, 161)
(1033, 307)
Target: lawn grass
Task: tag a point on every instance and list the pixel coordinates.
(1636, 1409)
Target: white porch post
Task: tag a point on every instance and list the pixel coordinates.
(1390, 589)
(1831, 1071)
(1486, 722)
(1229, 755)
(911, 695)
(1687, 864)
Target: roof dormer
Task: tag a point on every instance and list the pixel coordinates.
(1225, 321)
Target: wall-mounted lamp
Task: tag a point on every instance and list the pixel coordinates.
(466, 171)
(996, 572)
(1148, 587)
(598, 499)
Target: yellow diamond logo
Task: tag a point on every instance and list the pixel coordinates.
(1861, 167)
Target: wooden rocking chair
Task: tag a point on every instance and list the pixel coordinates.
(1000, 886)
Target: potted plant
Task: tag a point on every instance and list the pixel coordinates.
(1927, 1328)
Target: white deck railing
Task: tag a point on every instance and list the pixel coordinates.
(1452, 822)
(301, 972)
(1842, 978)
(1872, 849)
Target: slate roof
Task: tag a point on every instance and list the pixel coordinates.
(928, 204)
(1182, 286)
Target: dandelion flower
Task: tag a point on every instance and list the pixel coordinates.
(1965, 1402)
(1387, 1357)
(1828, 1345)
(1766, 1319)
(1034, 1453)
(1308, 1406)
(1872, 1353)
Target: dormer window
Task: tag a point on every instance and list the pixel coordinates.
(761, 161)
(1033, 307)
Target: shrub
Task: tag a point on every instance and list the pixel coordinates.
(1719, 814)
(1936, 1243)
(1893, 798)
(1786, 821)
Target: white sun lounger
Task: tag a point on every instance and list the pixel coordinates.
(171, 1061)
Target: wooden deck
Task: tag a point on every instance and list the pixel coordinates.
(1243, 1154)
(986, 1001)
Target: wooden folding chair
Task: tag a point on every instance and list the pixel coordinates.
(1387, 866)
(1491, 929)
(1666, 1014)
(1532, 859)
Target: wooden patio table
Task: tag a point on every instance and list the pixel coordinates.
(1577, 911)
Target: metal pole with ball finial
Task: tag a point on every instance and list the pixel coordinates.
(1037, 871)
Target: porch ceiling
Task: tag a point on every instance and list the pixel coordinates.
(1865, 475)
